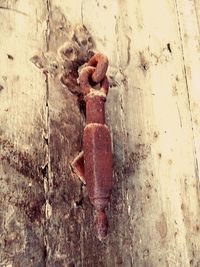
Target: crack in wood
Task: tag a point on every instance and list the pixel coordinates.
(13, 10)
(186, 82)
(46, 170)
(128, 50)
(197, 19)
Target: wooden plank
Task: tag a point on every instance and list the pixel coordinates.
(22, 132)
(64, 122)
(157, 116)
(188, 15)
(155, 191)
(152, 112)
(71, 221)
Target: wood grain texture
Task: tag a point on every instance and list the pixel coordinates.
(152, 112)
(22, 132)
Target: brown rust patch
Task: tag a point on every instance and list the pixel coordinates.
(144, 64)
(75, 52)
(38, 61)
(156, 135)
(10, 57)
(33, 209)
(136, 157)
(69, 47)
(22, 162)
(66, 127)
(14, 241)
(161, 226)
(70, 80)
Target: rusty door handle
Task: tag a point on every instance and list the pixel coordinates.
(97, 149)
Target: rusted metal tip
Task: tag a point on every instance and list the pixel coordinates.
(101, 225)
(100, 62)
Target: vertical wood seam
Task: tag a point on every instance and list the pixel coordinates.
(47, 175)
(195, 8)
(187, 87)
(82, 12)
(125, 78)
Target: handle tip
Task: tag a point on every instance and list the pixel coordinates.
(101, 225)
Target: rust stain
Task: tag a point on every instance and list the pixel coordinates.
(33, 209)
(66, 127)
(75, 52)
(144, 64)
(22, 162)
(156, 135)
(10, 57)
(1, 87)
(38, 61)
(161, 226)
(136, 157)
(15, 239)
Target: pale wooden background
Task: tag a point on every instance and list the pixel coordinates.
(153, 112)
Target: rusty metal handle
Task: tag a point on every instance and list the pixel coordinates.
(97, 146)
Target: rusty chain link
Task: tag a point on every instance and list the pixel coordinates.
(96, 70)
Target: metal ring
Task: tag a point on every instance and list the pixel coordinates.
(85, 85)
(100, 62)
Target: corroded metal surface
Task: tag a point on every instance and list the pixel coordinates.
(96, 141)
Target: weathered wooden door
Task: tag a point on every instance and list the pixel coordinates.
(153, 111)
